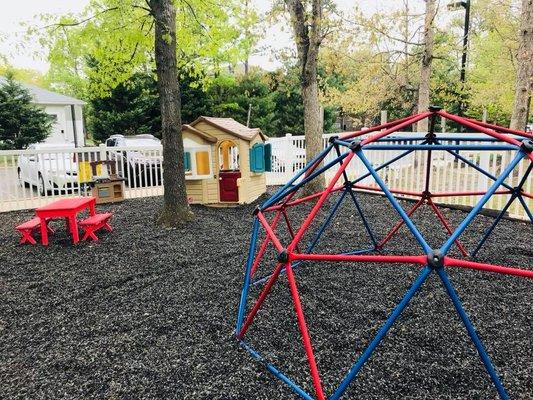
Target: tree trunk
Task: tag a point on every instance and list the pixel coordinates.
(524, 76)
(307, 35)
(176, 210)
(313, 131)
(425, 67)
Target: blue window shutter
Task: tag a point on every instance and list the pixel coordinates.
(257, 158)
(252, 159)
(268, 157)
(187, 161)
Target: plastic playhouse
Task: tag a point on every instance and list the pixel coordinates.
(353, 146)
(225, 161)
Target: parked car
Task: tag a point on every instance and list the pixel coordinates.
(140, 167)
(53, 167)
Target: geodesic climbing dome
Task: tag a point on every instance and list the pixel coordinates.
(336, 158)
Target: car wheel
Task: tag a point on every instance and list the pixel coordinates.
(40, 187)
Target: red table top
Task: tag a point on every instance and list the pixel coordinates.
(69, 203)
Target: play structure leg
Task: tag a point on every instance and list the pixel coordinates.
(394, 202)
(247, 273)
(399, 224)
(363, 218)
(526, 208)
(477, 208)
(493, 225)
(305, 333)
(472, 333)
(446, 225)
(381, 333)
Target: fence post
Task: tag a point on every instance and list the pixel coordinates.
(484, 161)
(384, 117)
(288, 146)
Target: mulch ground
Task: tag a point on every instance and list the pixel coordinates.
(149, 312)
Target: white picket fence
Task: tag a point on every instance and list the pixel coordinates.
(142, 168)
(408, 173)
(65, 171)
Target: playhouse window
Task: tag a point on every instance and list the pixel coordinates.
(228, 155)
(197, 162)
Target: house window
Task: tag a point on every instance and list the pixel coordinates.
(197, 162)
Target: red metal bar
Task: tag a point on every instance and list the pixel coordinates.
(501, 128)
(457, 194)
(320, 201)
(479, 128)
(265, 243)
(260, 300)
(350, 135)
(303, 199)
(289, 227)
(396, 128)
(446, 225)
(360, 258)
(305, 333)
(399, 224)
(394, 191)
(528, 195)
(453, 262)
(269, 231)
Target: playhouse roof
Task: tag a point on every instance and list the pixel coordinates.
(229, 125)
(203, 135)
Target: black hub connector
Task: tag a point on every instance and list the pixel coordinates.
(256, 210)
(332, 139)
(355, 145)
(527, 145)
(434, 108)
(435, 259)
(283, 256)
(348, 184)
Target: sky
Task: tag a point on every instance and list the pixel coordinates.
(29, 54)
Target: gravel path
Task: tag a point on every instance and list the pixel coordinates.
(149, 313)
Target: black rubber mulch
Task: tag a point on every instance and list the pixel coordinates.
(150, 313)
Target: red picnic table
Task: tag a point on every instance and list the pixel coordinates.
(66, 208)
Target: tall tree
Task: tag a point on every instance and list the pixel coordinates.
(427, 59)
(176, 209)
(21, 121)
(307, 24)
(524, 76)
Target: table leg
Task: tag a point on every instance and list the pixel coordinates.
(74, 229)
(44, 232)
(92, 207)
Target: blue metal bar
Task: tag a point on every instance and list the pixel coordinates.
(394, 202)
(472, 333)
(455, 147)
(276, 372)
(362, 251)
(526, 208)
(475, 211)
(325, 224)
(386, 164)
(363, 218)
(479, 169)
(306, 180)
(246, 285)
(323, 153)
(494, 223)
(381, 333)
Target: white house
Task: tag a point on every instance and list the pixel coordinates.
(67, 112)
